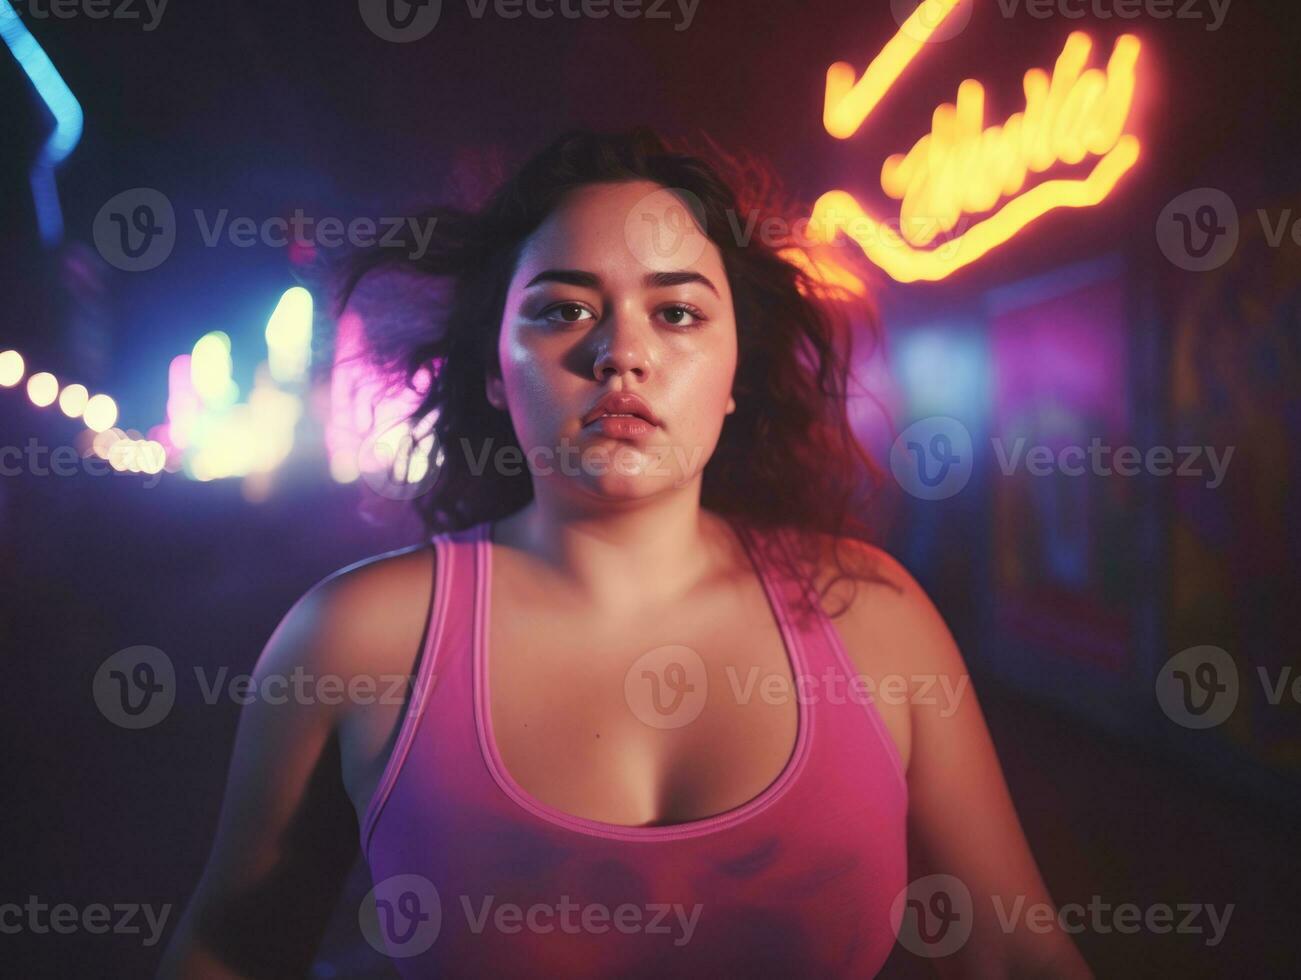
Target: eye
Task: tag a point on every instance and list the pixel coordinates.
(682, 315)
(566, 313)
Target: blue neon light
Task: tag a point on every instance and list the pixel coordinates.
(63, 106)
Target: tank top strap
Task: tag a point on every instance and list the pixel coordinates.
(826, 660)
(773, 551)
(446, 636)
(775, 555)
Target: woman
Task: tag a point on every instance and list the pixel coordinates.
(640, 740)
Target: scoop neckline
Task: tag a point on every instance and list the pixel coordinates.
(792, 642)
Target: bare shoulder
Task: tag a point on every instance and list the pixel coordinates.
(893, 636)
(889, 624)
(959, 809)
(364, 618)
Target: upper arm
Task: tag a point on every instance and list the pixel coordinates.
(961, 821)
(287, 833)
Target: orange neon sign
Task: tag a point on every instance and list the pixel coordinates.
(961, 168)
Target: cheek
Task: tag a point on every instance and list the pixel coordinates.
(704, 383)
(533, 382)
(719, 369)
(513, 356)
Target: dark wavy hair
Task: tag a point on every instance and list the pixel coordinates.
(787, 459)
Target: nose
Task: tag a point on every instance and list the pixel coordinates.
(621, 347)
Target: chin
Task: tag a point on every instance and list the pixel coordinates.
(624, 486)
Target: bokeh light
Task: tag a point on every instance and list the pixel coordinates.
(42, 388)
(11, 368)
(73, 399)
(289, 336)
(100, 413)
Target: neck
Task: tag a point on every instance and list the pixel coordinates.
(624, 558)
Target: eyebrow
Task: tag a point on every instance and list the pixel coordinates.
(589, 280)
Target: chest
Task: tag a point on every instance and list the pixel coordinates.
(668, 716)
(672, 716)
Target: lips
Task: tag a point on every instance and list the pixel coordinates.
(621, 403)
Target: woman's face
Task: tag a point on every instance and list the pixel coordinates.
(619, 290)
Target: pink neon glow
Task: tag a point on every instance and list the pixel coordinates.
(362, 402)
(183, 403)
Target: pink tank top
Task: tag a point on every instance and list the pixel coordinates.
(475, 878)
